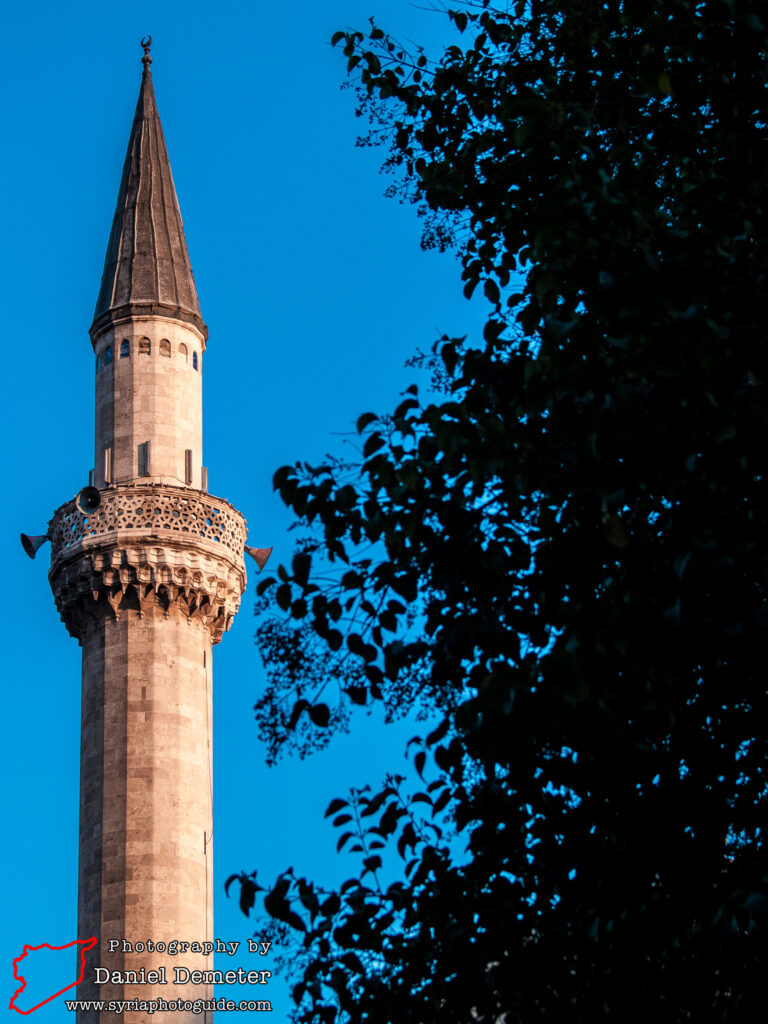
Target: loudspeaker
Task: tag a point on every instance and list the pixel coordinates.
(259, 555)
(32, 544)
(87, 500)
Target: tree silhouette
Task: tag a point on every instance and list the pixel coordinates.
(565, 553)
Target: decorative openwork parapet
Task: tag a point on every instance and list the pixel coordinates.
(177, 510)
(154, 549)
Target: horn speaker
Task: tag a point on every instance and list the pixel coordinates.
(32, 544)
(87, 500)
(259, 555)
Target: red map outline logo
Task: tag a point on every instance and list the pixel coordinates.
(85, 943)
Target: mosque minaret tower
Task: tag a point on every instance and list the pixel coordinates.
(147, 572)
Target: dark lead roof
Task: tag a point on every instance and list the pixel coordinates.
(147, 269)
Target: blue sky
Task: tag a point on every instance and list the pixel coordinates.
(315, 292)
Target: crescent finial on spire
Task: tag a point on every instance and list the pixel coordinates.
(146, 60)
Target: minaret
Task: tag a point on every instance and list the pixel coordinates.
(147, 572)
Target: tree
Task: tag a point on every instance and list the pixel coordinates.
(566, 555)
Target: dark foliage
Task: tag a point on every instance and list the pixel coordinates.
(566, 555)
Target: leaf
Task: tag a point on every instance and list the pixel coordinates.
(308, 897)
(459, 18)
(351, 579)
(372, 444)
(301, 565)
(319, 714)
(355, 643)
(374, 674)
(437, 734)
(447, 757)
(264, 585)
(371, 863)
(335, 806)
(357, 694)
(406, 840)
(493, 330)
(365, 421)
(342, 840)
(448, 354)
(331, 905)
(276, 905)
(405, 407)
(247, 894)
(373, 805)
(441, 801)
(298, 708)
(491, 289)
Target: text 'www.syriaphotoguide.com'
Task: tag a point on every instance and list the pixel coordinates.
(164, 1006)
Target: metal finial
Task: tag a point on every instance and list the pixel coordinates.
(146, 60)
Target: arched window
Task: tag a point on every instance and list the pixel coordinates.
(194, 360)
(165, 348)
(98, 363)
(107, 355)
(145, 346)
(183, 351)
(125, 349)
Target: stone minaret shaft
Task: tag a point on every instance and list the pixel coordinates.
(147, 577)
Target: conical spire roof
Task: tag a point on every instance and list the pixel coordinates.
(147, 268)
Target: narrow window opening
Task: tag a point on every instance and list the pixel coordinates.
(188, 466)
(98, 363)
(125, 349)
(107, 355)
(107, 465)
(165, 348)
(204, 479)
(91, 477)
(145, 346)
(144, 459)
(194, 360)
(183, 352)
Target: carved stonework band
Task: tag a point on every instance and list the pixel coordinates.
(153, 550)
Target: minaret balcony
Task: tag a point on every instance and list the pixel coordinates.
(153, 549)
